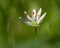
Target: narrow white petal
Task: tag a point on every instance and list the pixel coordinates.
(29, 17)
(28, 23)
(41, 18)
(22, 19)
(39, 12)
(33, 14)
(25, 12)
(19, 17)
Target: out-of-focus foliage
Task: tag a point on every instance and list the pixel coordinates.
(16, 34)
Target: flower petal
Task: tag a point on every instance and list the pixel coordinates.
(28, 23)
(25, 12)
(22, 18)
(38, 14)
(41, 18)
(33, 14)
(25, 21)
(27, 15)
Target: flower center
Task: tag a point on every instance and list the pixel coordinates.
(34, 23)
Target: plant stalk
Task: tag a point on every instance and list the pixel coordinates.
(35, 30)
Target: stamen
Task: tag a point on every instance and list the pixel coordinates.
(32, 12)
(37, 15)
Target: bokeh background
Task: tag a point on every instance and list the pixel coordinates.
(16, 34)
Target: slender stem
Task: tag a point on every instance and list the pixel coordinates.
(35, 30)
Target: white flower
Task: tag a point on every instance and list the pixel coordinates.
(36, 18)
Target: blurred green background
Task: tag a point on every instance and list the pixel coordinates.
(16, 34)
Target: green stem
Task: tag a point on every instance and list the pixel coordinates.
(35, 30)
